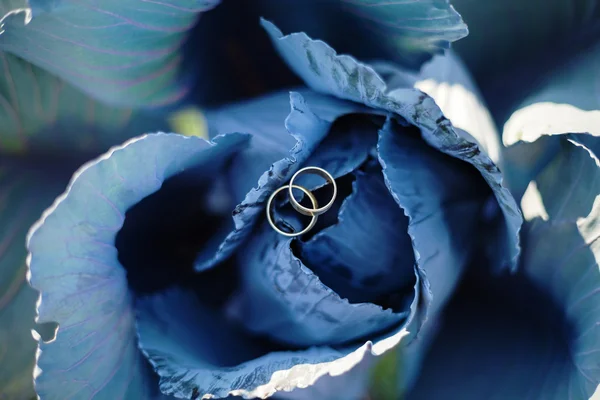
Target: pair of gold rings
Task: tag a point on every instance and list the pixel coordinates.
(313, 212)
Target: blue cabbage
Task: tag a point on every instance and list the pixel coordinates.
(157, 274)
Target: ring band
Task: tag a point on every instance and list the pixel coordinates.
(312, 211)
(314, 217)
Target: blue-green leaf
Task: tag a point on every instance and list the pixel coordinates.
(122, 52)
(25, 192)
(41, 113)
(74, 264)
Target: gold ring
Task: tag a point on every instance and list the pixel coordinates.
(313, 220)
(312, 211)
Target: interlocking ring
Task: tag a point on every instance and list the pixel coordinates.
(313, 220)
(315, 211)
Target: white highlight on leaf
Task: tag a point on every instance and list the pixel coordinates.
(295, 377)
(590, 152)
(299, 377)
(302, 376)
(596, 395)
(464, 109)
(588, 228)
(546, 118)
(37, 370)
(532, 204)
(28, 16)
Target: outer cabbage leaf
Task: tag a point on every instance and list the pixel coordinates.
(39, 113)
(407, 32)
(501, 345)
(83, 43)
(542, 35)
(237, 56)
(567, 102)
(342, 76)
(73, 263)
(563, 253)
(532, 31)
(26, 192)
(495, 342)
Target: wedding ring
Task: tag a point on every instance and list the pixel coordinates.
(313, 220)
(311, 211)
